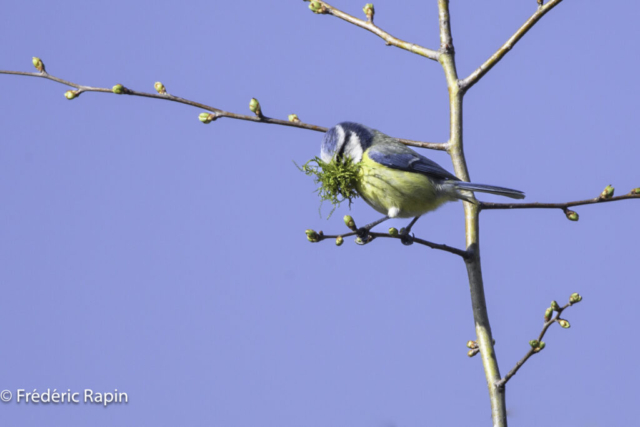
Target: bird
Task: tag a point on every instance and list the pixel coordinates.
(394, 179)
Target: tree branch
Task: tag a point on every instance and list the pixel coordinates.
(474, 77)
(216, 112)
(538, 345)
(472, 222)
(319, 236)
(563, 206)
(390, 40)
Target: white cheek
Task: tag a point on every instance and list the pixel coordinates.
(354, 149)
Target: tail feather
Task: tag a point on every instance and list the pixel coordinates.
(492, 189)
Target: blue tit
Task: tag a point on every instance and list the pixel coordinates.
(395, 180)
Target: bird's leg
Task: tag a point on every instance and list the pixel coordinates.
(406, 238)
(363, 232)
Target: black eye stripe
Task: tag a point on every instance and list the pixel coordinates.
(347, 137)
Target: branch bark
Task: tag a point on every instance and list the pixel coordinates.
(388, 38)
(532, 351)
(217, 112)
(472, 225)
(563, 206)
(474, 77)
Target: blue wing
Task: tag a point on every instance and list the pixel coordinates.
(399, 156)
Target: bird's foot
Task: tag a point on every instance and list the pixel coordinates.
(406, 238)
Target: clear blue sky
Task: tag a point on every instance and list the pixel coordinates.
(145, 252)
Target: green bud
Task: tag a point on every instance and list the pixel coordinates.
(359, 241)
(118, 89)
(160, 88)
(534, 343)
(472, 344)
(547, 314)
(316, 7)
(37, 62)
(312, 236)
(349, 222)
(571, 215)
(70, 94)
(473, 352)
(293, 118)
(554, 305)
(635, 191)
(339, 241)
(607, 193)
(369, 10)
(393, 232)
(540, 346)
(564, 323)
(575, 298)
(206, 118)
(254, 106)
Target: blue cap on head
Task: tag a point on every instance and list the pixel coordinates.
(346, 139)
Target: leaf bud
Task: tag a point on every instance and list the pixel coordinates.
(534, 343)
(339, 241)
(317, 7)
(160, 88)
(540, 346)
(293, 118)
(555, 306)
(607, 193)
(547, 314)
(572, 215)
(312, 236)
(575, 298)
(254, 106)
(472, 344)
(635, 191)
(206, 118)
(369, 11)
(37, 62)
(473, 352)
(118, 89)
(349, 222)
(70, 94)
(564, 323)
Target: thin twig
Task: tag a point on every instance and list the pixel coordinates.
(388, 38)
(474, 77)
(446, 248)
(218, 113)
(500, 384)
(563, 206)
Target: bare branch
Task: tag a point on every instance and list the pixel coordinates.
(217, 113)
(446, 40)
(474, 77)
(563, 206)
(539, 344)
(319, 236)
(370, 26)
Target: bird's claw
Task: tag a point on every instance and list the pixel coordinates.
(362, 232)
(407, 239)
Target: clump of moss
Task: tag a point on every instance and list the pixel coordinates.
(337, 180)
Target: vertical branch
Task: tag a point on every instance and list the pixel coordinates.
(474, 270)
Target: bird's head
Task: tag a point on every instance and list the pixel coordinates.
(346, 140)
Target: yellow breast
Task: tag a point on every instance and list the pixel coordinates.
(396, 193)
